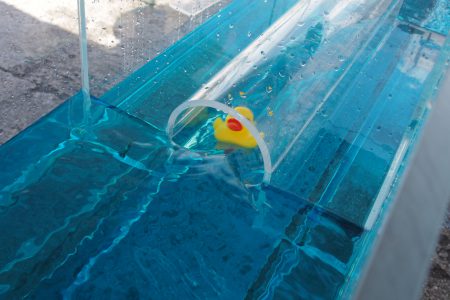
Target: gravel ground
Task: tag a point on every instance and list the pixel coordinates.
(438, 285)
(39, 69)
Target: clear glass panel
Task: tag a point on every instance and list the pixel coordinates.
(272, 76)
(321, 84)
(124, 35)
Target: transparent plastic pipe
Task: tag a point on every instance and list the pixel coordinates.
(84, 61)
(284, 77)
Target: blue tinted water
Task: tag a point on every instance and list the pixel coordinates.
(124, 215)
(113, 211)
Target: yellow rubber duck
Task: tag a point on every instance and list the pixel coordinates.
(231, 131)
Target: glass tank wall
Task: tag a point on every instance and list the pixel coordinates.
(314, 77)
(221, 149)
(122, 36)
(271, 76)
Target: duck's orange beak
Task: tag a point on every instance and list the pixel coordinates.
(234, 125)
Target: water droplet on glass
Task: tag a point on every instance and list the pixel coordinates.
(231, 26)
(249, 34)
(269, 89)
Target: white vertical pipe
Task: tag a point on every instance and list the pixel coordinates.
(84, 61)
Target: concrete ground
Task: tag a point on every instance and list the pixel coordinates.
(39, 50)
(40, 67)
